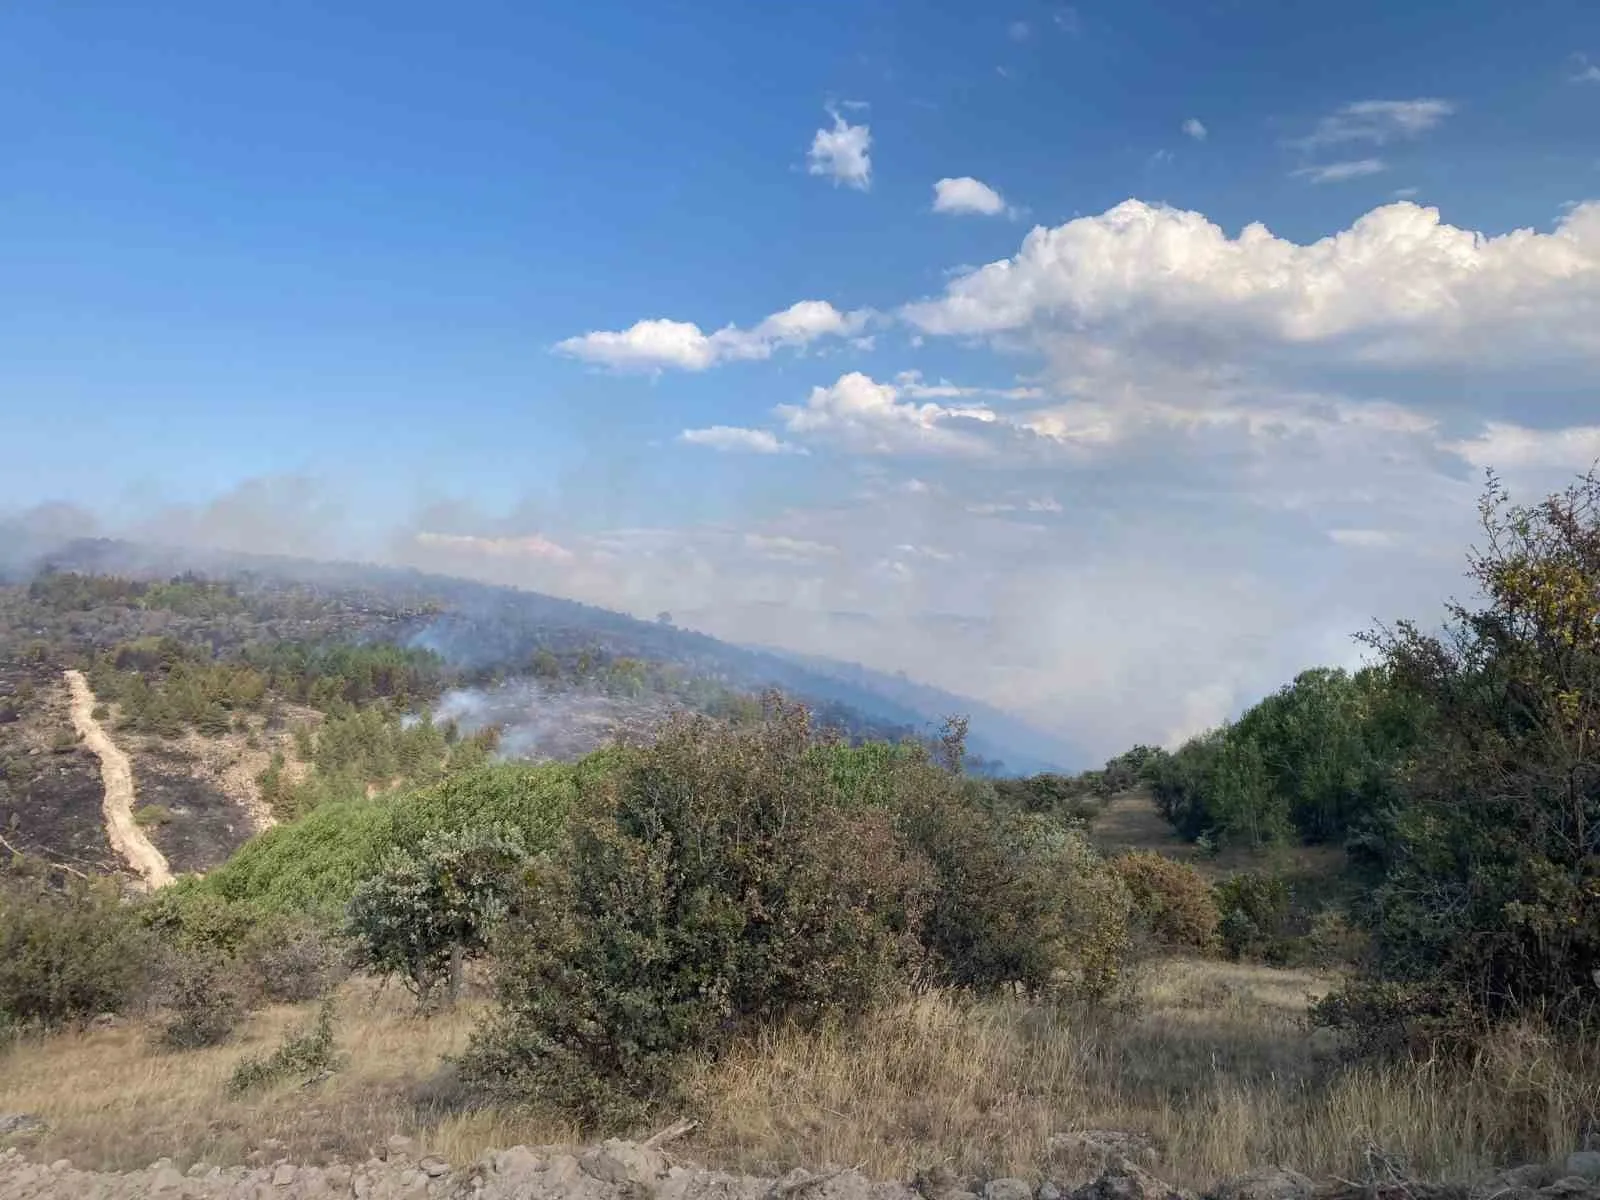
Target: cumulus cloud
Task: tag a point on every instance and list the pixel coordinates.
(872, 417)
(1378, 122)
(1584, 71)
(1338, 172)
(657, 344)
(842, 153)
(732, 438)
(967, 195)
(1398, 286)
(914, 385)
(1505, 446)
(1195, 129)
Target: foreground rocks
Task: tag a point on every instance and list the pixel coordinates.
(619, 1170)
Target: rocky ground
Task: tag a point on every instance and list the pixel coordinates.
(619, 1170)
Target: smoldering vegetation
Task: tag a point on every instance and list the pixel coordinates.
(538, 722)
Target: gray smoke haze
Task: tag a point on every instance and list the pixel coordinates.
(539, 723)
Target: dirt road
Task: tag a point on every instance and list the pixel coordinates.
(116, 772)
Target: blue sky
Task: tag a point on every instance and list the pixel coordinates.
(368, 279)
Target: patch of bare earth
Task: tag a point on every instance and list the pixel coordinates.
(125, 834)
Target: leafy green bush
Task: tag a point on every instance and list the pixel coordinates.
(312, 865)
(1019, 900)
(1171, 900)
(1490, 883)
(304, 1052)
(1254, 909)
(431, 906)
(203, 1001)
(69, 953)
(716, 883)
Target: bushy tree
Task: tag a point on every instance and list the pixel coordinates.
(1491, 867)
(431, 907)
(68, 952)
(713, 884)
(1171, 900)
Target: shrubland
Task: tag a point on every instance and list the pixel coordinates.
(866, 953)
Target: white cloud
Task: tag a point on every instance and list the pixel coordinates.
(781, 547)
(842, 153)
(1195, 129)
(967, 195)
(1019, 31)
(1067, 20)
(1586, 71)
(1505, 446)
(657, 344)
(1148, 287)
(871, 417)
(912, 384)
(1405, 193)
(1338, 172)
(732, 438)
(1378, 122)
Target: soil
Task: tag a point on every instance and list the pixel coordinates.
(198, 825)
(49, 795)
(116, 774)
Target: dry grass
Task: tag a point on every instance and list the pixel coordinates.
(1131, 821)
(114, 1100)
(1216, 1067)
(1213, 1063)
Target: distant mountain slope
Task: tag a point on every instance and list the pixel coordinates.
(490, 626)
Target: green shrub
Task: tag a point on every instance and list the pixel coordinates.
(203, 1001)
(304, 1052)
(313, 864)
(289, 959)
(715, 883)
(1254, 909)
(1172, 901)
(431, 906)
(1019, 900)
(69, 953)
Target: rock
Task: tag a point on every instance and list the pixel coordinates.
(165, 1181)
(337, 1177)
(60, 1165)
(560, 1171)
(1123, 1180)
(1585, 1163)
(518, 1160)
(1265, 1183)
(12, 1124)
(433, 1166)
(1573, 1187)
(1049, 1191)
(941, 1183)
(620, 1162)
(361, 1187)
(1099, 1147)
(283, 1175)
(1008, 1189)
(198, 1170)
(401, 1148)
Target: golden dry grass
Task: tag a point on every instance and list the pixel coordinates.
(1216, 1066)
(115, 1100)
(1213, 1062)
(1130, 821)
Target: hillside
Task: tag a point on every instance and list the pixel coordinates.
(479, 626)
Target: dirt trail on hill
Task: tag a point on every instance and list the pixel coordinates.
(126, 838)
